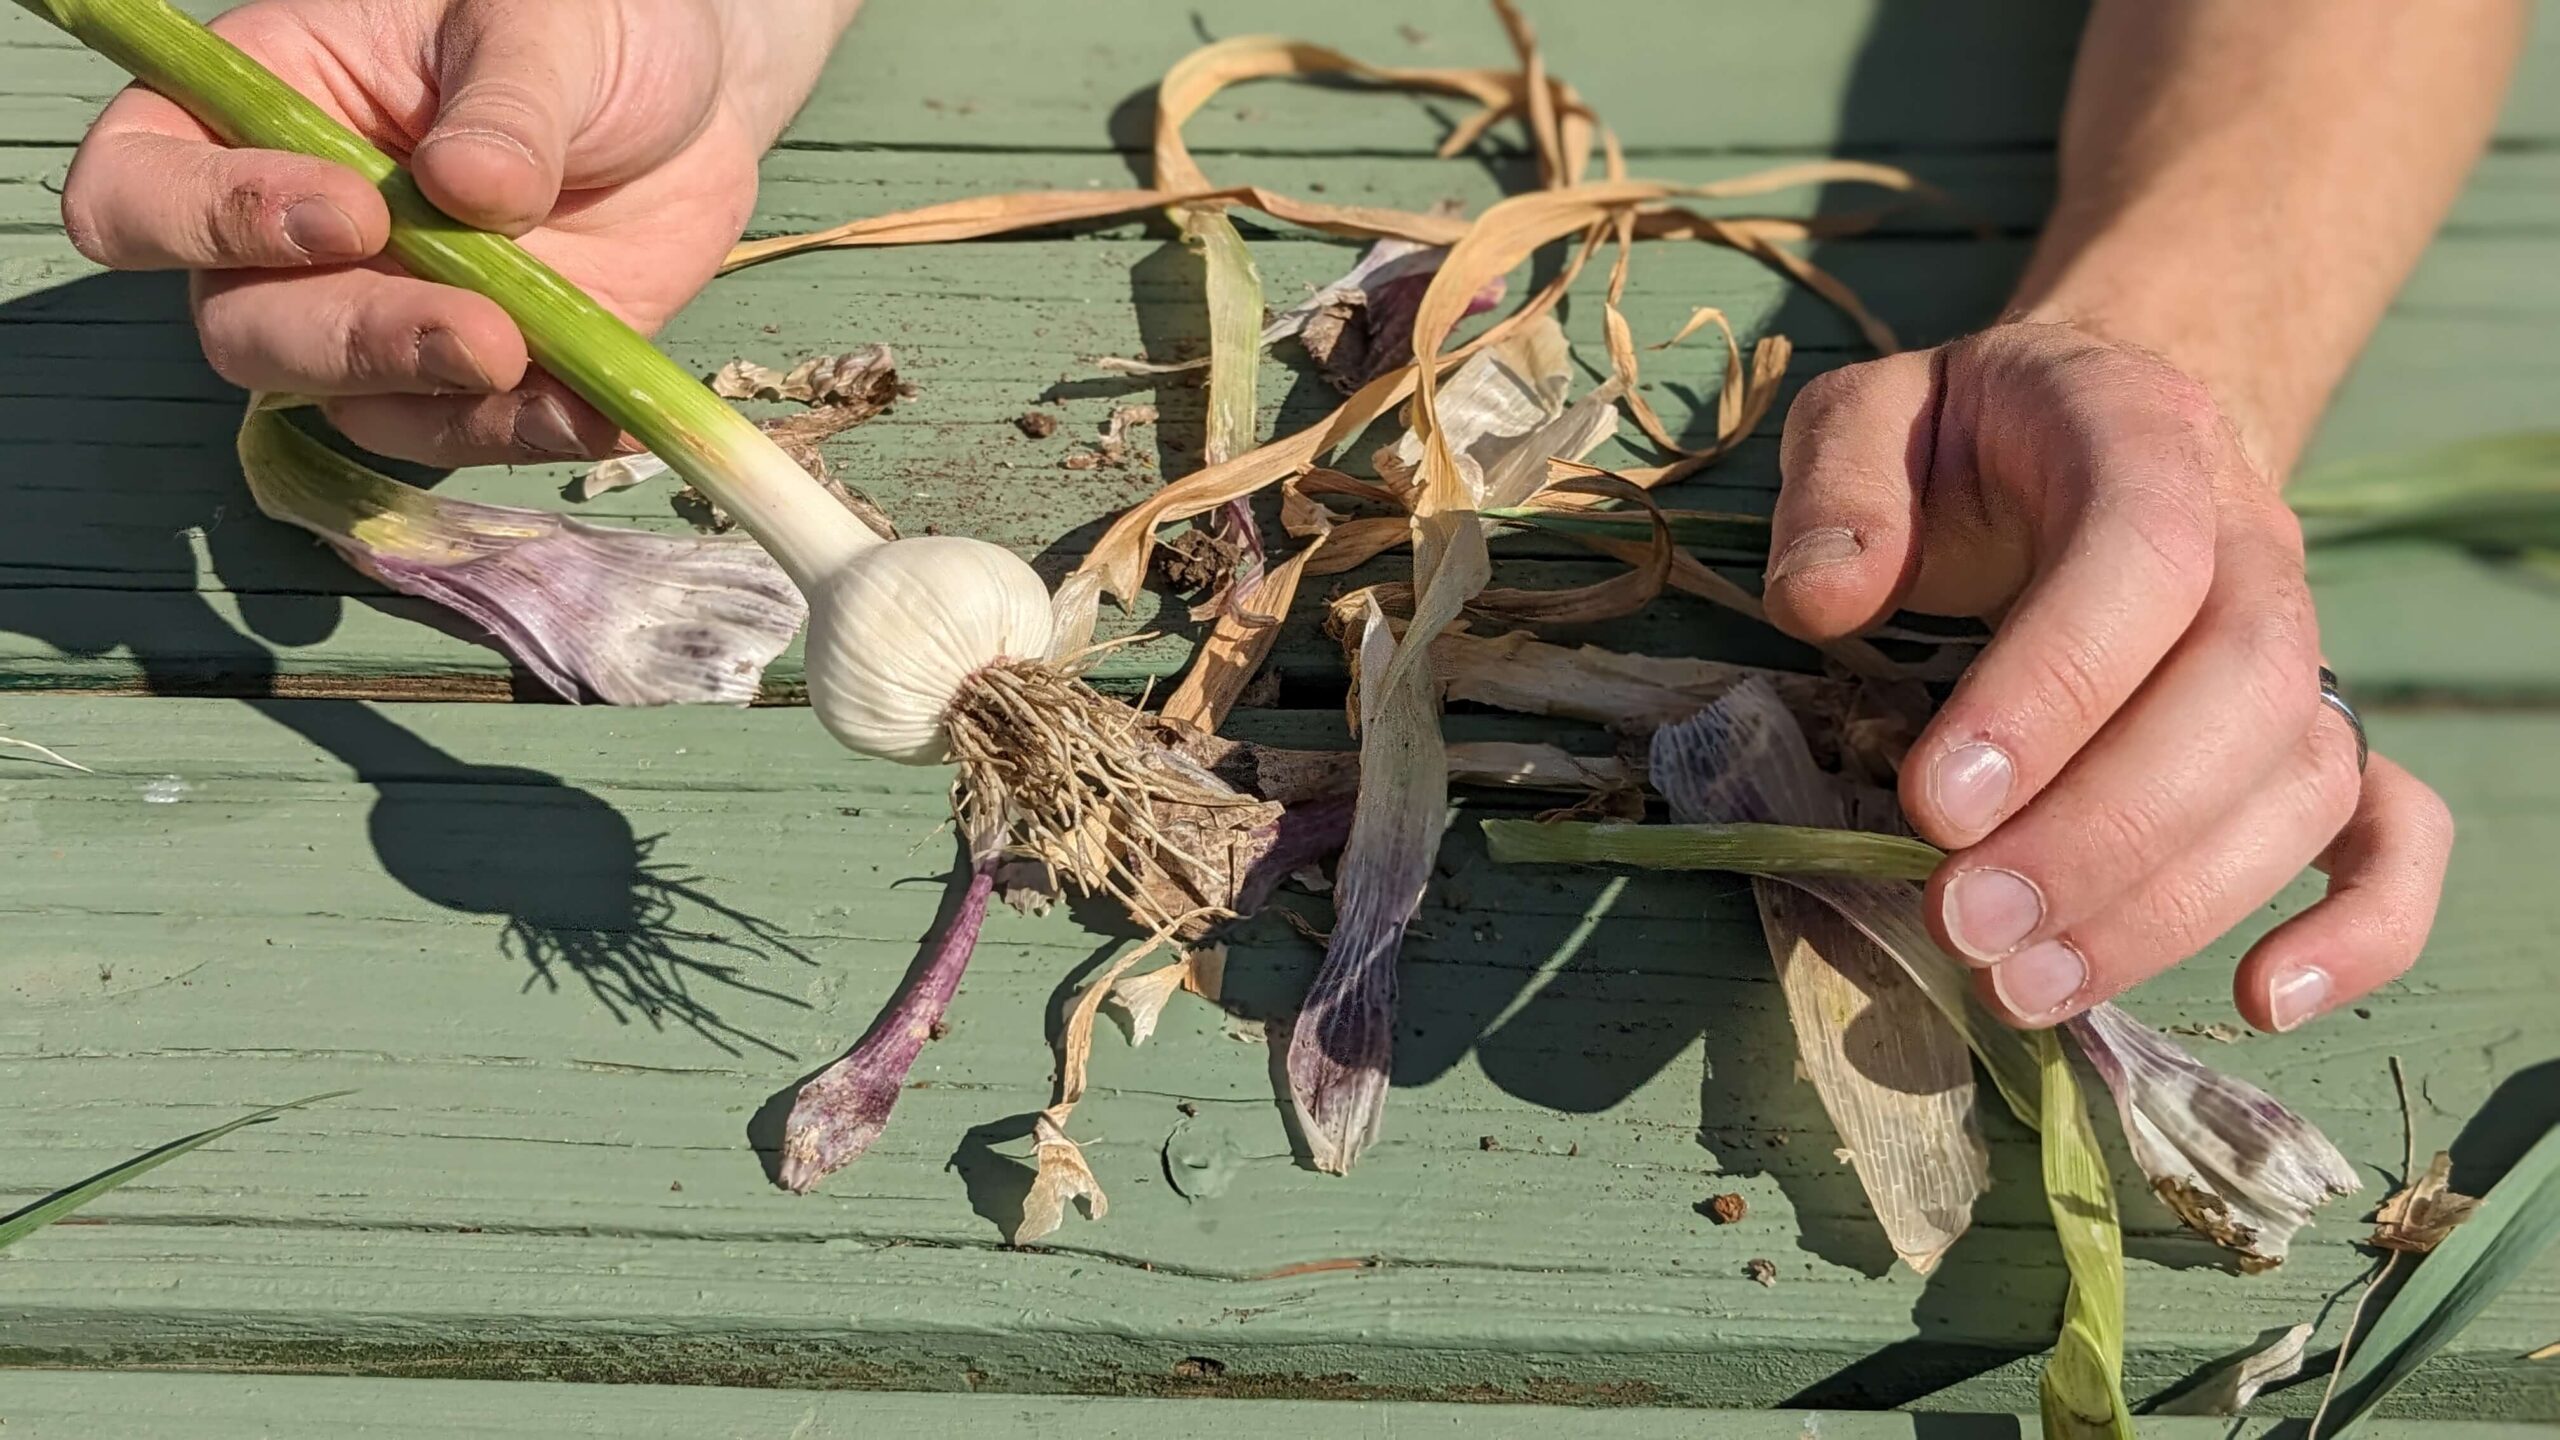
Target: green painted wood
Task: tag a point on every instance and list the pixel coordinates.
(570, 958)
(135, 562)
(76, 1407)
(1020, 74)
(470, 913)
(134, 558)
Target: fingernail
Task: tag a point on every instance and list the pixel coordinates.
(2298, 998)
(541, 424)
(1970, 784)
(1991, 912)
(445, 359)
(2040, 980)
(1814, 549)
(322, 231)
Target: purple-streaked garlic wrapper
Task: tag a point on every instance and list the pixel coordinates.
(2237, 1166)
(2234, 1163)
(627, 617)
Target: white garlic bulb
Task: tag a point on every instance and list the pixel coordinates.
(896, 629)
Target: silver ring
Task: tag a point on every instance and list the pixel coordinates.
(2330, 697)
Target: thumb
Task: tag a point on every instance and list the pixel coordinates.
(563, 92)
(1843, 542)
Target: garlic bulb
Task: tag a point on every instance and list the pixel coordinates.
(897, 629)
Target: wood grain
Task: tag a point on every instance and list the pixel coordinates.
(470, 913)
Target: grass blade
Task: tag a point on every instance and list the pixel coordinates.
(1755, 849)
(2517, 1220)
(62, 1202)
(2497, 493)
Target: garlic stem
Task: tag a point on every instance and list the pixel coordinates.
(591, 350)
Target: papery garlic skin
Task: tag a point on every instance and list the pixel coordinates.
(896, 630)
(2231, 1160)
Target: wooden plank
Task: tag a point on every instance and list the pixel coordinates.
(115, 453)
(108, 586)
(806, 189)
(470, 914)
(1021, 74)
(39, 1406)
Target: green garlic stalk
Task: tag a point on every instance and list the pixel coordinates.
(896, 629)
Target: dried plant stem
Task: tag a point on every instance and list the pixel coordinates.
(32, 747)
(2355, 1317)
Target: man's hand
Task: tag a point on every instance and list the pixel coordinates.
(617, 138)
(2140, 757)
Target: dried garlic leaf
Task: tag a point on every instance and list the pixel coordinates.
(1062, 1178)
(2420, 1214)
(621, 473)
(1609, 599)
(1502, 395)
(2231, 1383)
(1074, 607)
(45, 753)
(1204, 971)
(1631, 694)
(1896, 1081)
(1120, 557)
(1343, 1039)
(1894, 1077)
(622, 616)
(1142, 997)
(2228, 1159)
(1511, 765)
(1237, 644)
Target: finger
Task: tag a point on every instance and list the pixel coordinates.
(2121, 566)
(1854, 460)
(140, 197)
(536, 97)
(537, 422)
(2259, 846)
(2386, 876)
(2239, 692)
(355, 331)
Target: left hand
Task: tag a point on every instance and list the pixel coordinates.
(2140, 758)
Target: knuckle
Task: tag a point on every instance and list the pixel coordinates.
(2332, 789)
(2128, 830)
(2430, 822)
(2273, 643)
(2067, 677)
(2184, 915)
(367, 350)
(1817, 412)
(2436, 821)
(240, 215)
(2174, 530)
(218, 335)
(2180, 398)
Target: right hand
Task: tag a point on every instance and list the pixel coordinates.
(618, 139)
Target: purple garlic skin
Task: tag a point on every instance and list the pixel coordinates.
(2236, 1165)
(846, 1106)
